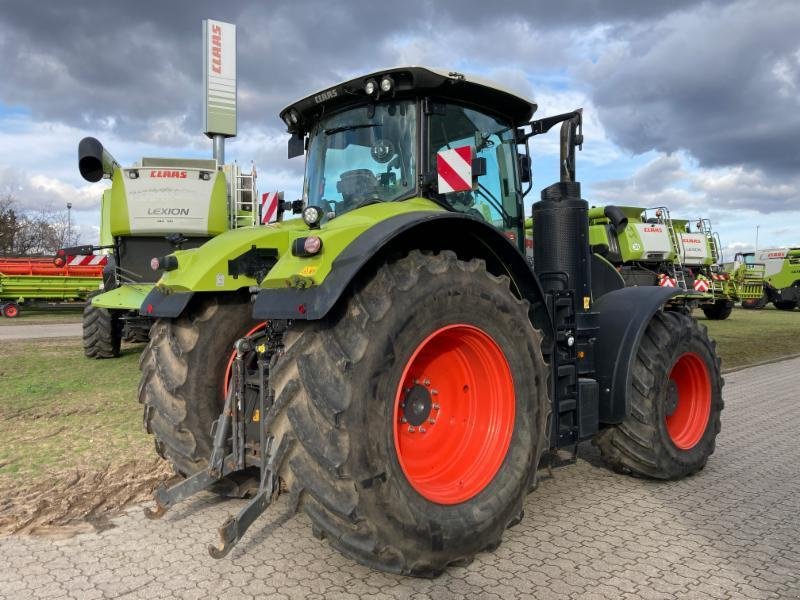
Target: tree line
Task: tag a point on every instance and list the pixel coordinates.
(32, 232)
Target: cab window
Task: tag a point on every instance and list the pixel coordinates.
(495, 199)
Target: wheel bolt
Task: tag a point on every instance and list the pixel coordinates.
(403, 420)
(427, 382)
(435, 406)
(411, 429)
(434, 392)
(422, 430)
(432, 421)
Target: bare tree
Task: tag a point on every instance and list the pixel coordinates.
(32, 232)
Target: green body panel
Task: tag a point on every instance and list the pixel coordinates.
(205, 269)
(20, 288)
(218, 207)
(119, 218)
(126, 297)
(106, 239)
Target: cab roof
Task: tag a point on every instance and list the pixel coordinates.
(409, 82)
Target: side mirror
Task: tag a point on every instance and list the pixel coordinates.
(525, 170)
(297, 145)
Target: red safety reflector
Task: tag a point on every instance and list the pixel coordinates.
(454, 170)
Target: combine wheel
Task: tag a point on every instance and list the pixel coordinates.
(102, 332)
(785, 304)
(183, 370)
(676, 399)
(417, 411)
(719, 311)
(11, 310)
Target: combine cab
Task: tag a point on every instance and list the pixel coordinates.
(152, 209)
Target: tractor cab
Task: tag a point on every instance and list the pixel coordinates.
(413, 132)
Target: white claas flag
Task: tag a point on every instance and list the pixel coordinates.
(269, 206)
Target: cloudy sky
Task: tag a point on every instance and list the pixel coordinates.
(687, 104)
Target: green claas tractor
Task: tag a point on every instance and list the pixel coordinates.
(391, 361)
(781, 284)
(151, 209)
(649, 247)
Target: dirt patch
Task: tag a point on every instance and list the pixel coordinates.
(78, 501)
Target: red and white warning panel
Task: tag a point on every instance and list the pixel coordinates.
(666, 281)
(454, 168)
(269, 206)
(701, 285)
(87, 260)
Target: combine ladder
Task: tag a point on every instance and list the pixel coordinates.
(704, 227)
(243, 196)
(662, 213)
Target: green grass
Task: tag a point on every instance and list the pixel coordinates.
(60, 410)
(29, 316)
(752, 336)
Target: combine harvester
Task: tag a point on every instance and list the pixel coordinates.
(37, 282)
(391, 361)
(152, 208)
(781, 280)
(649, 247)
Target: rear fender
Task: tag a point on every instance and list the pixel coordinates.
(468, 236)
(624, 317)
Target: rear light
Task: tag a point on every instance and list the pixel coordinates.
(164, 263)
(307, 246)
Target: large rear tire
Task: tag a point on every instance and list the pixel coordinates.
(417, 411)
(719, 311)
(675, 399)
(102, 332)
(183, 370)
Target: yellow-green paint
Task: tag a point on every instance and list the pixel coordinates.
(218, 206)
(205, 269)
(106, 239)
(129, 296)
(119, 220)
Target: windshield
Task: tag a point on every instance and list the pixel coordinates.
(362, 156)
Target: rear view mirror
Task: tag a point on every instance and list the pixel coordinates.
(297, 145)
(525, 172)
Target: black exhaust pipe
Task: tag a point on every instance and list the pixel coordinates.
(617, 218)
(94, 161)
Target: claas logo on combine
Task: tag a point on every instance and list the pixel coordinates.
(216, 49)
(653, 230)
(170, 174)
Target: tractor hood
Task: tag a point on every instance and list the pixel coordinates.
(237, 259)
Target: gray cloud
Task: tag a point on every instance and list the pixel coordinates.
(720, 82)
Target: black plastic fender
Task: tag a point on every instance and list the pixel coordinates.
(414, 230)
(624, 316)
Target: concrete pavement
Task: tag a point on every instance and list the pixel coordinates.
(732, 531)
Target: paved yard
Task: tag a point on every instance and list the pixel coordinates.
(731, 531)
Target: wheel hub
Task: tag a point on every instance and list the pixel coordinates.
(417, 405)
(672, 398)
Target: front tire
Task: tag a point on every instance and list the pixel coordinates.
(785, 304)
(718, 311)
(676, 400)
(183, 370)
(380, 495)
(102, 332)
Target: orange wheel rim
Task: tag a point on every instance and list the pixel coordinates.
(453, 414)
(689, 401)
(229, 366)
